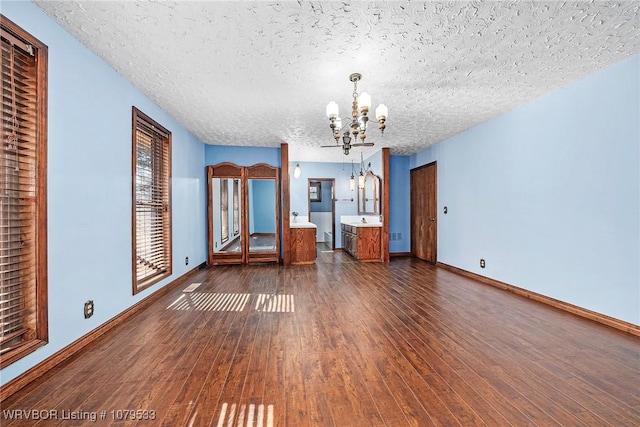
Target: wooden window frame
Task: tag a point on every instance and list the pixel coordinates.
(315, 191)
(35, 316)
(140, 120)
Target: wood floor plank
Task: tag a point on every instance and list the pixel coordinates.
(433, 359)
(299, 407)
(409, 345)
(182, 408)
(209, 400)
(308, 327)
(274, 374)
(398, 344)
(511, 345)
(426, 369)
(340, 375)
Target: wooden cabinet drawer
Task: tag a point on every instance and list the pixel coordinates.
(349, 229)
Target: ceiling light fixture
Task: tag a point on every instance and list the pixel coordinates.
(358, 120)
(352, 180)
(363, 172)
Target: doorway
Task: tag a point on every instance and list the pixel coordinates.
(321, 202)
(424, 215)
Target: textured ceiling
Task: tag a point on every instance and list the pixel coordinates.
(259, 73)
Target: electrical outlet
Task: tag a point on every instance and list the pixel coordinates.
(186, 261)
(482, 263)
(88, 309)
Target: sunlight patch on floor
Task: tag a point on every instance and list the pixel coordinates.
(192, 287)
(204, 301)
(210, 302)
(275, 303)
(236, 415)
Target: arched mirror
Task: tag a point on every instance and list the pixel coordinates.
(243, 213)
(369, 195)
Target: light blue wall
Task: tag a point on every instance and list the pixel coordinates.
(341, 172)
(262, 215)
(549, 194)
(242, 156)
(376, 165)
(399, 203)
(324, 205)
(89, 188)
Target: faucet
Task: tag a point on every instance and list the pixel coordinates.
(364, 221)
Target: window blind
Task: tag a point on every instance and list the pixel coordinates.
(152, 201)
(22, 189)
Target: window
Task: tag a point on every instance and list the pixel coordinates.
(151, 201)
(23, 201)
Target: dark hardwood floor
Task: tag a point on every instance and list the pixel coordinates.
(341, 343)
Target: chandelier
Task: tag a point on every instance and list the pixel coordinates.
(358, 121)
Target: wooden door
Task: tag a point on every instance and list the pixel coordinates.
(424, 224)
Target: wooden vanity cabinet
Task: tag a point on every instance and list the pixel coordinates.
(303, 245)
(362, 243)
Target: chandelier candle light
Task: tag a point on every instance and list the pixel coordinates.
(359, 117)
(352, 180)
(363, 172)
